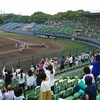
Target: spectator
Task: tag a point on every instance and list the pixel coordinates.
(46, 63)
(96, 67)
(9, 94)
(4, 71)
(45, 90)
(82, 57)
(19, 95)
(91, 90)
(70, 60)
(86, 71)
(55, 63)
(21, 79)
(76, 60)
(30, 80)
(18, 70)
(1, 95)
(86, 56)
(92, 57)
(8, 78)
(32, 69)
(51, 73)
(14, 75)
(62, 62)
(41, 63)
(38, 81)
(73, 58)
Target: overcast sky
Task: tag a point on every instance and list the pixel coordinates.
(28, 7)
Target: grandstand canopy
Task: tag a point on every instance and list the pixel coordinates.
(94, 16)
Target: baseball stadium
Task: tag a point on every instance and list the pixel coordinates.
(69, 46)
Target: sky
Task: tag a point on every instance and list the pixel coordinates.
(28, 7)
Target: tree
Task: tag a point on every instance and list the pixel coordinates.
(1, 20)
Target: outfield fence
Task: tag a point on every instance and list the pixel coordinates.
(25, 63)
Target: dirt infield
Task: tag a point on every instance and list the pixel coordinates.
(9, 52)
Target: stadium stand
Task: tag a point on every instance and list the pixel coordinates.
(65, 85)
(68, 28)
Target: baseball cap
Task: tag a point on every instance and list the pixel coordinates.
(88, 79)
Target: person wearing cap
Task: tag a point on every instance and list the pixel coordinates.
(81, 85)
(91, 89)
(96, 67)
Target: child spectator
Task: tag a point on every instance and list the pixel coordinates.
(91, 90)
(19, 95)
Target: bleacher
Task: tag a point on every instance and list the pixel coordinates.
(68, 28)
(23, 28)
(64, 86)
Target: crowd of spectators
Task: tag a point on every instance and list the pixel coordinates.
(43, 74)
(72, 28)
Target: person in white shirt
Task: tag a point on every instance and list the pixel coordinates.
(30, 80)
(70, 60)
(18, 70)
(32, 69)
(9, 94)
(14, 75)
(4, 71)
(16, 45)
(21, 79)
(45, 90)
(79, 57)
(51, 72)
(88, 72)
(86, 56)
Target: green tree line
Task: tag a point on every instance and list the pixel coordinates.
(40, 17)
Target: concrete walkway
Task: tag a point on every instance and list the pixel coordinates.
(67, 72)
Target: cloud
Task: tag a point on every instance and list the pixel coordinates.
(28, 7)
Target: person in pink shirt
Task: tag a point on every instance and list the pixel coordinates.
(41, 63)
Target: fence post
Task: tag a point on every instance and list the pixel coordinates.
(62, 53)
(53, 54)
(77, 51)
(88, 49)
(3, 64)
(70, 51)
(83, 50)
(32, 60)
(43, 56)
(18, 62)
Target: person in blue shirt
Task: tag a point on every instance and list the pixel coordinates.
(96, 67)
(62, 62)
(91, 89)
